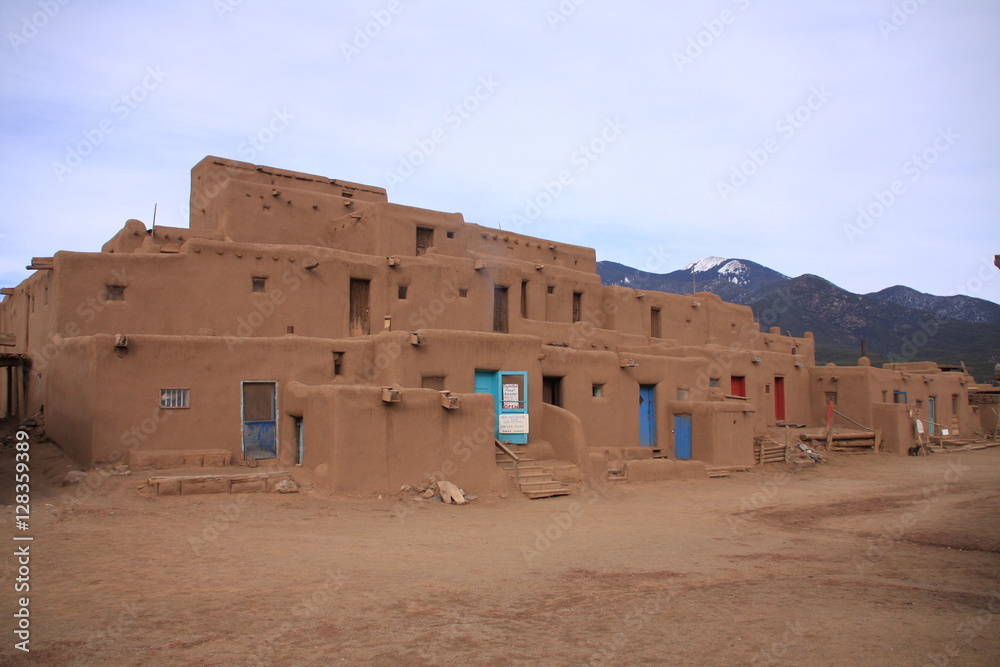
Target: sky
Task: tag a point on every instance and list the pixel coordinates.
(857, 140)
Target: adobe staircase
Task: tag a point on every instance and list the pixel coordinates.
(532, 480)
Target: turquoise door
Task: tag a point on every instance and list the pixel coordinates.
(510, 398)
(647, 415)
(682, 437)
(932, 415)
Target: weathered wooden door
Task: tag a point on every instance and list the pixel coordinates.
(260, 421)
(425, 239)
(360, 307)
(500, 309)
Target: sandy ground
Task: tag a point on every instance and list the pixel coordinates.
(869, 560)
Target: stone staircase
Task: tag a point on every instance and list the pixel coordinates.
(532, 480)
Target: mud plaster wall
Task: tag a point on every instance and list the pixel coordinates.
(72, 397)
(722, 433)
(129, 415)
(356, 444)
(863, 390)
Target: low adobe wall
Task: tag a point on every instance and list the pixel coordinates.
(356, 444)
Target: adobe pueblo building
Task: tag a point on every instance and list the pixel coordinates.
(304, 321)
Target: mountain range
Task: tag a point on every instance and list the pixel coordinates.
(896, 324)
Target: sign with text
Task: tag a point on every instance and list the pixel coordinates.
(513, 424)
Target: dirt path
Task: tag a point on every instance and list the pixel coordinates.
(866, 561)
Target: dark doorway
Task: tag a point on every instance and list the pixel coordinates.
(552, 390)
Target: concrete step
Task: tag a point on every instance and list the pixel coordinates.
(221, 482)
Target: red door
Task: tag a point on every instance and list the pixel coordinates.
(779, 399)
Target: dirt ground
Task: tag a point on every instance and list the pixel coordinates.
(868, 560)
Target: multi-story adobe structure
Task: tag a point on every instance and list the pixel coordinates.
(309, 321)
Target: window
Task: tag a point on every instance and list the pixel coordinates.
(550, 289)
(899, 397)
(830, 397)
(598, 390)
(713, 382)
(259, 284)
(738, 386)
(436, 382)
(114, 292)
(577, 306)
(425, 239)
(462, 292)
(524, 299)
(402, 292)
(175, 398)
(654, 322)
(450, 235)
(338, 361)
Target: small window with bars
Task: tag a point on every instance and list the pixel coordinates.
(175, 398)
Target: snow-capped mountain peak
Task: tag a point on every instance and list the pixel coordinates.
(706, 264)
(735, 271)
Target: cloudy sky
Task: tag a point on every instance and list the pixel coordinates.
(854, 139)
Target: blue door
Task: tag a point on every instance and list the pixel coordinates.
(647, 415)
(682, 437)
(510, 398)
(260, 422)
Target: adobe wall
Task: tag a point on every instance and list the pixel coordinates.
(356, 444)
(722, 433)
(259, 204)
(71, 398)
(368, 446)
(864, 391)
